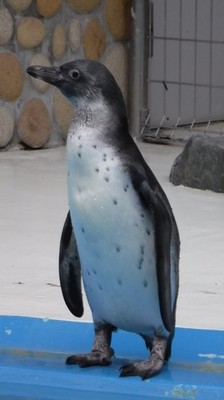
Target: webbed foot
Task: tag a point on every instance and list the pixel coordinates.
(151, 367)
(95, 357)
(144, 369)
(101, 353)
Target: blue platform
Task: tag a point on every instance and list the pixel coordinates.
(33, 353)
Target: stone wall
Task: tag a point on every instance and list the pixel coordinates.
(51, 32)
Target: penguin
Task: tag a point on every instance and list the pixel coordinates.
(120, 236)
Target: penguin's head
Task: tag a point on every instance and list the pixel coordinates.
(81, 81)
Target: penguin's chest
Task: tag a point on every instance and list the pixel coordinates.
(115, 238)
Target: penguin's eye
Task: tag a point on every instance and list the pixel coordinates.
(75, 74)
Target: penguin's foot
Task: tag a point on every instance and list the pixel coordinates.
(151, 367)
(101, 352)
(144, 369)
(96, 357)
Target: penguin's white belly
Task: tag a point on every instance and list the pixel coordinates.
(115, 239)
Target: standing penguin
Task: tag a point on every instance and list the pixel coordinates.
(120, 234)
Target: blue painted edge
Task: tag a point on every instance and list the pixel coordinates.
(33, 353)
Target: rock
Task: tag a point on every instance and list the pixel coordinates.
(48, 8)
(25, 27)
(11, 76)
(94, 40)
(19, 5)
(34, 125)
(6, 126)
(118, 17)
(83, 6)
(58, 41)
(63, 113)
(116, 60)
(40, 59)
(6, 26)
(74, 34)
(201, 164)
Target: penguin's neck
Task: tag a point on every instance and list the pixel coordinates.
(87, 138)
(95, 114)
(89, 151)
(97, 121)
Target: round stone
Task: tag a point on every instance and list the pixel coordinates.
(63, 113)
(48, 8)
(94, 40)
(116, 61)
(6, 126)
(19, 5)
(58, 41)
(40, 59)
(6, 26)
(83, 6)
(25, 27)
(118, 18)
(34, 124)
(74, 34)
(11, 77)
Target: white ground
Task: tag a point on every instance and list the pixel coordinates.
(33, 207)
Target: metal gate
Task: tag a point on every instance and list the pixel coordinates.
(185, 62)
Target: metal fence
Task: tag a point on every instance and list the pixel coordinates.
(182, 49)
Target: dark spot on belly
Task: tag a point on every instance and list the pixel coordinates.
(148, 232)
(106, 179)
(97, 170)
(140, 262)
(79, 154)
(104, 157)
(80, 146)
(142, 249)
(94, 271)
(112, 158)
(107, 169)
(118, 249)
(126, 188)
(115, 202)
(94, 146)
(83, 230)
(100, 287)
(142, 215)
(79, 137)
(119, 281)
(145, 283)
(88, 272)
(141, 259)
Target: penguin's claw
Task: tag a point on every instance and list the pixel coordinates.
(144, 369)
(89, 359)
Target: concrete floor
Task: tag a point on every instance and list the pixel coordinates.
(32, 212)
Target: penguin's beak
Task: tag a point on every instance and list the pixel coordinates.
(51, 75)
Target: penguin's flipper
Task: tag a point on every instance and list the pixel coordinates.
(154, 201)
(69, 269)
